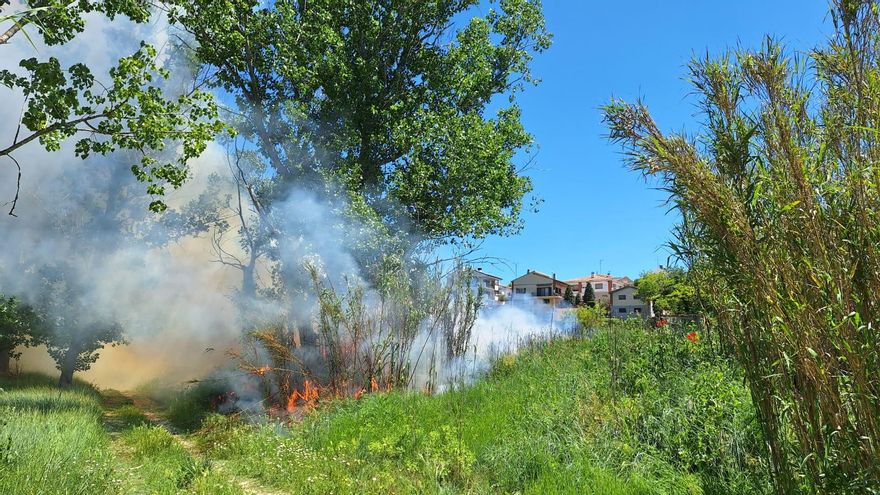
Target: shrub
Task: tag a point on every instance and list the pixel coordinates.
(590, 317)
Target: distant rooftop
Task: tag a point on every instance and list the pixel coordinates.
(540, 274)
(481, 272)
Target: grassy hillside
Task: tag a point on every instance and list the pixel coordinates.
(627, 410)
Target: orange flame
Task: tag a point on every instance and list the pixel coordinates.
(374, 385)
(309, 396)
(262, 370)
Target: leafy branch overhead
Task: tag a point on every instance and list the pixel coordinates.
(389, 99)
(130, 112)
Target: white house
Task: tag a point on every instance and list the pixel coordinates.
(625, 303)
(490, 284)
(539, 285)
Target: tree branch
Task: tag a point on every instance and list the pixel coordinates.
(46, 130)
(9, 33)
(14, 201)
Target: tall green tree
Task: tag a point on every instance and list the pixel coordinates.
(589, 295)
(384, 103)
(125, 109)
(569, 296)
(670, 290)
(19, 326)
(75, 334)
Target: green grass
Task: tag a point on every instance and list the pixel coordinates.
(52, 441)
(57, 442)
(188, 408)
(626, 411)
(162, 464)
(672, 419)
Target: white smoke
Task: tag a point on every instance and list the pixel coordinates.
(175, 302)
(506, 329)
(91, 215)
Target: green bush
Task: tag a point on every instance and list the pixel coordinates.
(187, 409)
(591, 317)
(780, 199)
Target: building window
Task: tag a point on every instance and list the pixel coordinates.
(599, 285)
(520, 290)
(636, 297)
(621, 297)
(543, 291)
(637, 311)
(621, 310)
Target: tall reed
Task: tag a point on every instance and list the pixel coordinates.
(780, 200)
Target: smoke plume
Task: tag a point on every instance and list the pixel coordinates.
(180, 308)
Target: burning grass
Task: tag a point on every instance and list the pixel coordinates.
(669, 416)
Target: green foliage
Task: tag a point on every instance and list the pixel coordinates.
(186, 409)
(164, 466)
(59, 21)
(74, 334)
(590, 317)
(129, 112)
(130, 416)
(19, 325)
(569, 296)
(679, 421)
(52, 440)
(589, 294)
(389, 100)
(673, 418)
(780, 202)
(670, 290)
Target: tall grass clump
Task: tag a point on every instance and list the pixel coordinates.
(163, 464)
(780, 199)
(52, 441)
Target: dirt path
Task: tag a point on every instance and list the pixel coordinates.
(116, 403)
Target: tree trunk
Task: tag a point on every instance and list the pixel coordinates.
(5, 357)
(248, 282)
(68, 366)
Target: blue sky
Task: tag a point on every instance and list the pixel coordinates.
(594, 209)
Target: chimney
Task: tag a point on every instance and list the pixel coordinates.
(592, 273)
(480, 269)
(528, 270)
